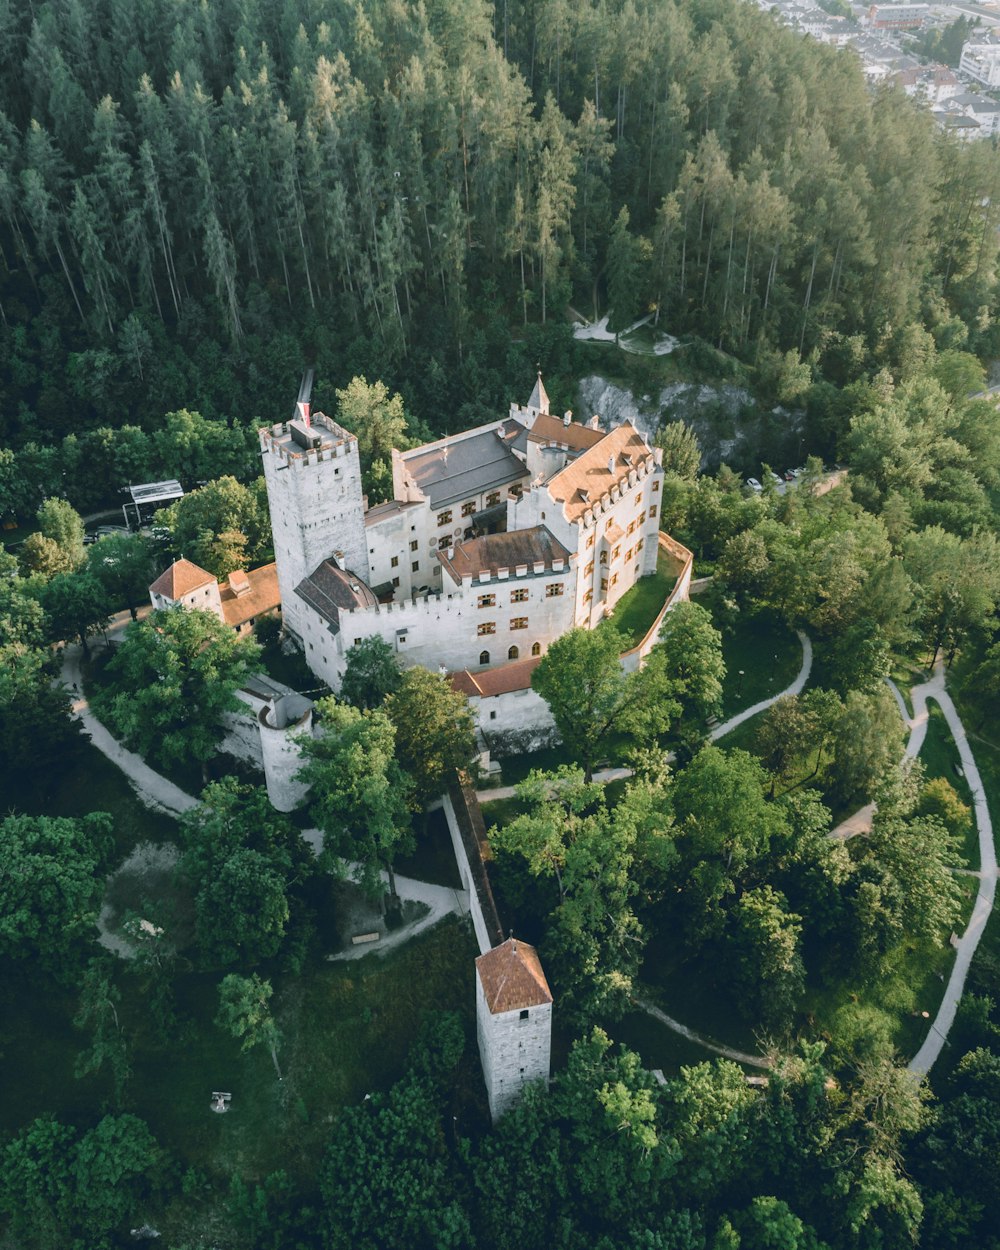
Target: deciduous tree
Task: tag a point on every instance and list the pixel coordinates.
(175, 674)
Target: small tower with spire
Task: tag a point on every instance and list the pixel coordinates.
(539, 401)
(513, 1021)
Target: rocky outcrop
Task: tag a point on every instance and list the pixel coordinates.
(725, 417)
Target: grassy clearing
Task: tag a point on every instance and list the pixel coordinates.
(763, 657)
(940, 758)
(85, 781)
(980, 725)
(346, 1030)
(292, 671)
(433, 859)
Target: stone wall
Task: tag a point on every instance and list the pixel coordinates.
(468, 837)
(515, 1049)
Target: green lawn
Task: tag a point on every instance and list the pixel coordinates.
(939, 756)
(83, 781)
(346, 1030)
(292, 671)
(763, 657)
(639, 607)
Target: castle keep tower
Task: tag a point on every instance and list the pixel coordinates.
(313, 478)
(513, 1022)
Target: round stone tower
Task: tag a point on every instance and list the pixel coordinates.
(283, 723)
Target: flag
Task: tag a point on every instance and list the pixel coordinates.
(303, 411)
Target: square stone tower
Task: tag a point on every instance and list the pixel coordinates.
(313, 478)
(513, 1022)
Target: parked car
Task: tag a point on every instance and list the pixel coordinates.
(774, 477)
(754, 485)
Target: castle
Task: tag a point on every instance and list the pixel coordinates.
(497, 541)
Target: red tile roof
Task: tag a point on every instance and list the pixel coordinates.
(508, 550)
(512, 978)
(180, 579)
(584, 480)
(263, 596)
(575, 436)
(493, 681)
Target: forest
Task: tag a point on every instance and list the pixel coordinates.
(195, 199)
(199, 198)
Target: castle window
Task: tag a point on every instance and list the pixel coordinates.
(484, 657)
(536, 648)
(357, 642)
(519, 622)
(588, 571)
(588, 596)
(395, 562)
(519, 596)
(468, 508)
(493, 715)
(512, 653)
(652, 512)
(631, 527)
(444, 518)
(553, 590)
(523, 1016)
(395, 581)
(444, 542)
(486, 627)
(609, 523)
(638, 545)
(617, 552)
(414, 544)
(415, 566)
(604, 557)
(614, 579)
(486, 601)
(590, 542)
(604, 583)
(628, 555)
(492, 499)
(656, 484)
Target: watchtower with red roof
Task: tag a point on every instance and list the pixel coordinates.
(513, 1022)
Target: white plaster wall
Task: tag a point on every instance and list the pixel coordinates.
(514, 1052)
(442, 631)
(518, 720)
(282, 758)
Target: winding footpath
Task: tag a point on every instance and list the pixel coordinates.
(605, 775)
(923, 1060)
(161, 794)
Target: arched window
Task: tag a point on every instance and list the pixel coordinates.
(513, 653)
(484, 657)
(536, 648)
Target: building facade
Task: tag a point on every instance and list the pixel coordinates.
(497, 541)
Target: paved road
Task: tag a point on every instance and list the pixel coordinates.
(615, 774)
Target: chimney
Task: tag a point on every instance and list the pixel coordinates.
(611, 465)
(595, 422)
(567, 417)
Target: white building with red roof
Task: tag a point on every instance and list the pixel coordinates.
(497, 541)
(513, 1022)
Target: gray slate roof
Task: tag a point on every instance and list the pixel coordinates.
(331, 591)
(465, 468)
